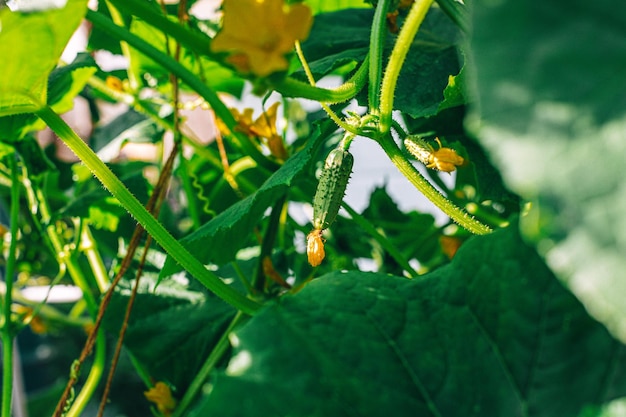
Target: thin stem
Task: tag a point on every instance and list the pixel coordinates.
(290, 87)
(459, 216)
(89, 246)
(218, 351)
(386, 244)
(118, 19)
(377, 42)
(309, 76)
(396, 60)
(7, 328)
(64, 257)
(147, 221)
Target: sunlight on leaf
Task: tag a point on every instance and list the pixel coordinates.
(30, 46)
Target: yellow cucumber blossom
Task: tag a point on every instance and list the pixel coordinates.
(259, 33)
(161, 396)
(264, 127)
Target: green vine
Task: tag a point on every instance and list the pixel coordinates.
(396, 60)
(147, 221)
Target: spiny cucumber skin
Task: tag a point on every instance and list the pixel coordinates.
(331, 187)
(419, 148)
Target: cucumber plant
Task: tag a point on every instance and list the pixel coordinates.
(188, 254)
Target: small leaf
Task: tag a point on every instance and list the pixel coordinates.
(492, 334)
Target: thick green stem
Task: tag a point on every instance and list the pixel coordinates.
(458, 215)
(147, 221)
(95, 373)
(7, 371)
(377, 43)
(89, 247)
(396, 60)
(8, 328)
(290, 87)
(152, 15)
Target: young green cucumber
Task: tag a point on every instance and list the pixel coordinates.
(331, 187)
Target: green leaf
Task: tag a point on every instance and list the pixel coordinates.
(30, 46)
(413, 233)
(454, 93)
(432, 59)
(172, 329)
(552, 113)
(130, 126)
(219, 240)
(492, 334)
(342, 37)
(338, 38)
(66, 82)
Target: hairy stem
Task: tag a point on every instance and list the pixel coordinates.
(169, 63)
(458, 215)
(290, 87)
(396, 60)
(147, 221)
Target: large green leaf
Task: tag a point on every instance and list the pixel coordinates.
(553, 113)
(30, 46)
(492, 334)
